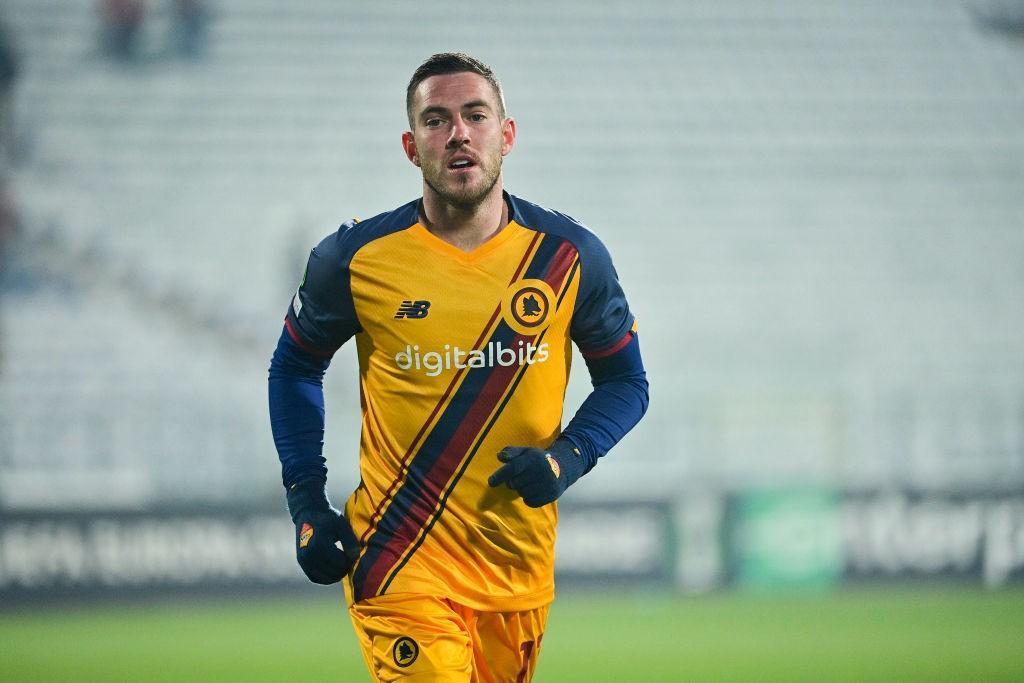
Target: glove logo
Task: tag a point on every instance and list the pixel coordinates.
(305, 535)
(527, 305)
(554, 465)
(405, 651)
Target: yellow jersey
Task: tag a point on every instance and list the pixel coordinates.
(460, 354)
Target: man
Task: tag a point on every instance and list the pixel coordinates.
(463, 304)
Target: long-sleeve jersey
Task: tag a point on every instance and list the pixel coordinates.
(460, 354)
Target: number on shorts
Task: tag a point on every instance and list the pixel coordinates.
(528, 654)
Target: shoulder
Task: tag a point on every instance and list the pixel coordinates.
(340, 246)
(543, 219)
(601, 317)
(591, 249)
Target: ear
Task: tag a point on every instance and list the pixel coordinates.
(508, 136)
(409, 145)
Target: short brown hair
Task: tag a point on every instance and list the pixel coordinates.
(444, 63)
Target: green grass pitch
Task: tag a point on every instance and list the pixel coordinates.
(935, 634)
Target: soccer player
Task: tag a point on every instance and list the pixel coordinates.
(463, 304)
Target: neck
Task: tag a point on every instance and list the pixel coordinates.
(464, 227)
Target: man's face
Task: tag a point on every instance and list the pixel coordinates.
(459, 137)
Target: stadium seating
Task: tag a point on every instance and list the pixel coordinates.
(814, 207)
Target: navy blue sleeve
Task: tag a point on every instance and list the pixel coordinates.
(296, 397)
(322, 316)
(601, 321)
(320, 319)
(618, 401)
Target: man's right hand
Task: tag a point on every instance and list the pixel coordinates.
(325, 545)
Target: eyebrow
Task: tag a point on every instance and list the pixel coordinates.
(443, 110)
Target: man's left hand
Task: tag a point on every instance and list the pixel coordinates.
(539, 476)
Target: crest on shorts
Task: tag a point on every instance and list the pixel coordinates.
(405, 651)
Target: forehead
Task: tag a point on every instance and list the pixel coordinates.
(451, 91)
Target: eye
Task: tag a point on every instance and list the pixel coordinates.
(433, 122)
(477, 116)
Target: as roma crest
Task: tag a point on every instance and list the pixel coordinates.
(405, 651)
(528, 306)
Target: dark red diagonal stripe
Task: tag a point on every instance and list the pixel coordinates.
(559, 266)
(408, 453)
(446, 465)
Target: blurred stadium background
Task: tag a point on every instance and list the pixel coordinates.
(816, 208)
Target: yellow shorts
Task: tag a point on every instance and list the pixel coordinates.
(408, 637)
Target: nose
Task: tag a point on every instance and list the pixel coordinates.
(460, 133)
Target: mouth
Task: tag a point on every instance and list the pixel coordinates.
(461, 163)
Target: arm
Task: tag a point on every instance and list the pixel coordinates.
(319, 320)
(618, 401)
(296, 395)
(297, 420)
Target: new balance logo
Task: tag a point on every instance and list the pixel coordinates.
(413, 309)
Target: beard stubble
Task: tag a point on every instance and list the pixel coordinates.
(462, 196)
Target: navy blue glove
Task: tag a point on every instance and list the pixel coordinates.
(539, 476)
(325, 545)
